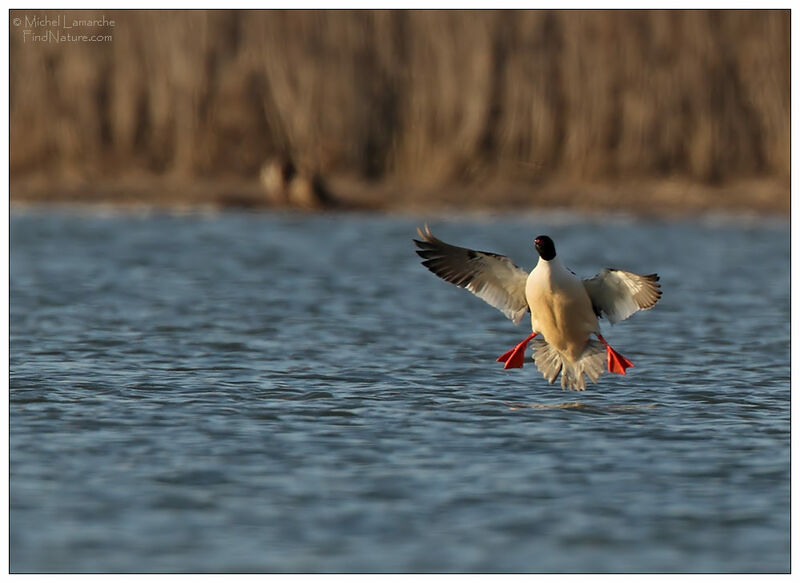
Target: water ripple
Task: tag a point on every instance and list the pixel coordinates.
(295, 393)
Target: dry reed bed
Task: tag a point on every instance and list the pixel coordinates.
(409, 97)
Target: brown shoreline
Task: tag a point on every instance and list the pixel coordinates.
(647, 198)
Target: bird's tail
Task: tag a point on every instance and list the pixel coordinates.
(550, 361)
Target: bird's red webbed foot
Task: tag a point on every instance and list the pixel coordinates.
(515, 357)
(616, 362)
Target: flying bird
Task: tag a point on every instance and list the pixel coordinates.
(564, 309)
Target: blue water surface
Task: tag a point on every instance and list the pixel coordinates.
(295, 393)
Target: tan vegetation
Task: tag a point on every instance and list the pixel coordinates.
(392, 102)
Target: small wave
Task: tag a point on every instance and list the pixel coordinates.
(579, 405)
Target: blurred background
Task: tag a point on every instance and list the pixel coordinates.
(636, 110)
(241, 391)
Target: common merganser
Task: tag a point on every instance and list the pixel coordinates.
(564, 309)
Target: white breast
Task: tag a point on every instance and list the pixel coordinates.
(560, 307)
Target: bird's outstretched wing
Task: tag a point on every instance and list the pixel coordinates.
(620, 294)
(493, 278)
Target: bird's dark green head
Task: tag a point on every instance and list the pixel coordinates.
(545, 247)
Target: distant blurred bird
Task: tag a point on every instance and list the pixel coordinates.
(275, 175)
(285, 185)
(564, 309)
